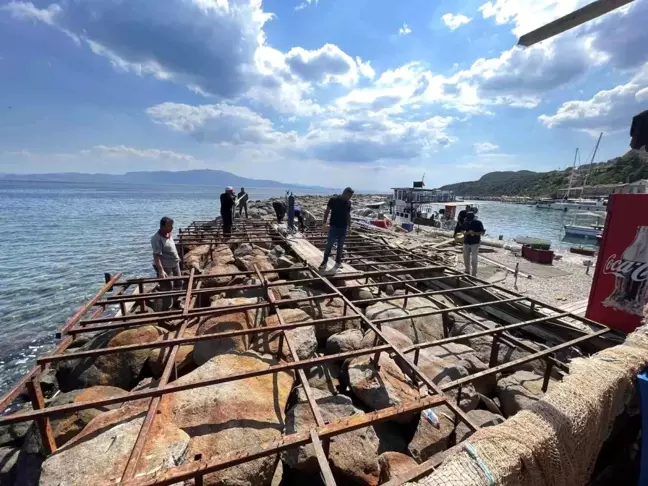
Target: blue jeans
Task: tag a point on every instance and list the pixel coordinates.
(335, 235)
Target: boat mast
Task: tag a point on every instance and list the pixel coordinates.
(571, 177)
(598, 142)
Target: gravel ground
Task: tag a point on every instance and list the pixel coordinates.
(558, 291)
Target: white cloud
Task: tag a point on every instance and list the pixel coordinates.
(454, 21)
(607, 111)
(305, 4)
(124, 151)
(214, 47)
(404, 30)
(219, 124)
(27, 10)
(481, 147)
(354, 139)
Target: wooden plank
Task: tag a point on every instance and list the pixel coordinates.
(311, 254)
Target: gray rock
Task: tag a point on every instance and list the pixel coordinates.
(8, 461)
(325, 377)
(344, 341)
(418, 329)
(302, 338)
(431, 439)
(377, 389)
(519, 391)
(394, 464)
(122, 370)
(442, 372)
(232, 416)
(481, 418)
(353, 455)
(395, 337)
(100, 453)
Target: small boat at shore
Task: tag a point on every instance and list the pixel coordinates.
(531, 240)
(577, 228)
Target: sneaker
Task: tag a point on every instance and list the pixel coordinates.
(337, 265)
(322, 266)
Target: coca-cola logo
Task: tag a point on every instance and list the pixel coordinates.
(636, 271)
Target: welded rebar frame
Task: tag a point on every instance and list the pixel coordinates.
(384, 266)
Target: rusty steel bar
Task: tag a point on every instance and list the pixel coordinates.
(220, 462)
(84, 308)
(138, 447)
(44, 425)
(421, 294)
(325, 467)
(188, 340)
(521, 361)
(414, 369)
(73, 407)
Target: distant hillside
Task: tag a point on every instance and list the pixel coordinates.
(192, 177)
(628, 168)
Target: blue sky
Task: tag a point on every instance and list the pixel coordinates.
(369, 93)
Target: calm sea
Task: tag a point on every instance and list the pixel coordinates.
(60, 238)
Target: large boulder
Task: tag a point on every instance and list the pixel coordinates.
(249, 256)
(8, 462)
(123, 370)
(441, 372)
(418, 329)
(432, 437)
(235, 321)
(214, 269)
(481, 418)
(353, 455)
(394, 464)
(195, 257)
(64, 428)
(467, 358)
(345, 341)
(302, 338)
(482, 345)
(222, 255)
(232, 416)
(380, 388)
(395, 337)
(101, 451)
(519, 391)
(324, 309)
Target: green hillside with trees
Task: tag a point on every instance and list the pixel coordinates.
(629, 168)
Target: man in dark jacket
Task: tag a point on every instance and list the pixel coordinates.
(227, 210)
(473, 231)
(280, 210)
(242, 202)
(339, 208)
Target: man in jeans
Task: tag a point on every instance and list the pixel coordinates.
(166, 261)
(473, 231)
(339, 207)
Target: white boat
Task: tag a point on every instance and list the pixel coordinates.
(531, 240)
(585, 230)
(573, 205)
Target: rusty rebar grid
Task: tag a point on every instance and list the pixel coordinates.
(322, 432)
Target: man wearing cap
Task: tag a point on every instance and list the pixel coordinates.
(227, 210)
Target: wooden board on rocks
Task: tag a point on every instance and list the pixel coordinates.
(309, 252)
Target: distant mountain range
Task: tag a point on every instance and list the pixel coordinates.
(190, 177)
(631, 167)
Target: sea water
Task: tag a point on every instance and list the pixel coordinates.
(58, 239)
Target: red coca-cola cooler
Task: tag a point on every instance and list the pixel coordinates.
(618, 292)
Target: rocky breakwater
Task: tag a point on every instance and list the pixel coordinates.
(202, 423)
(312, 206)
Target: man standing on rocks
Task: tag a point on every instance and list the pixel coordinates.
(166, 260)
(339, 207)
(227, 210)
(242, 202)
(473, 231)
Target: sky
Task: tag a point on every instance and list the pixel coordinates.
(368, 93)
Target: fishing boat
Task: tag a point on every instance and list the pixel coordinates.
(585, 229)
